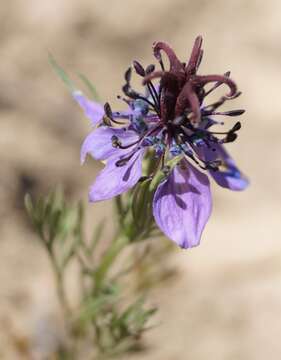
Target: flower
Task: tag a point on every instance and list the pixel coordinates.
(169, 120)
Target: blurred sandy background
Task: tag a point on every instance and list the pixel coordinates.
(226, 303)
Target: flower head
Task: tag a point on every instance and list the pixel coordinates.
(169, 120)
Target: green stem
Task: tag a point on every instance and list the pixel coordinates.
(59, 278)
(108, 259)
(61, 294)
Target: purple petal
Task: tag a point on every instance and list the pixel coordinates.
(182, 205)
(228, 175)
(99, 144)
(93, 110)
(114, 180)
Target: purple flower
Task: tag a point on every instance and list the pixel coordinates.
(169, 120)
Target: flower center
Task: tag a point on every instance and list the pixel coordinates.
(171, 117)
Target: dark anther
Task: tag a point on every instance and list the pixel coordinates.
(115, 141)
(139, 68)
(230, 137)
(121, 162)
(150, 68)
(236, 127)
(106, 121)
(234, 112)
(107, 110)
(130, 92)
(128, 75)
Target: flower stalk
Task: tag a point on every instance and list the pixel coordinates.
(60, 228)
(108, 259)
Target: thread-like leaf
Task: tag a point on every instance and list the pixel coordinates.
(61, 73)
(92, 89)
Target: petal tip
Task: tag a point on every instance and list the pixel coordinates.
(182, 205)
(187, 245)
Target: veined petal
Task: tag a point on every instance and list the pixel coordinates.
(114, 180)
(228, 175)
(182, 205)
(99, 144)
(93, 110)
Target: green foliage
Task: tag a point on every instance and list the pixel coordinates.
(92, 89)
(61, 73)
(55, 222)
(69, 83)
(117, 328)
